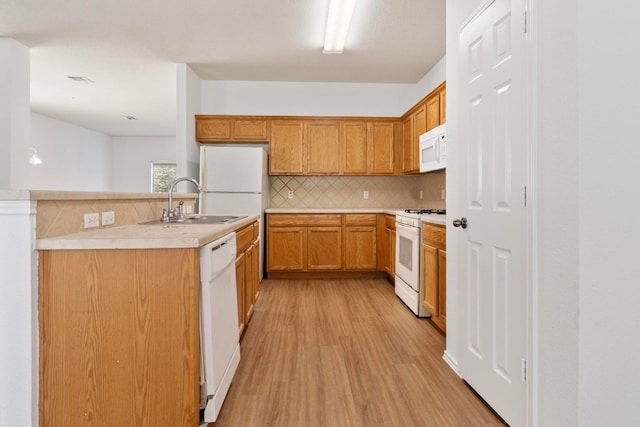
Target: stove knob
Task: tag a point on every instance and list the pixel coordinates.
(462, 222)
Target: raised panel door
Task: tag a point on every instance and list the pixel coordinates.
(250, 130)
(360, 248)
(381, 147)
(324, 248)
(430, 279)
(420, 124)
(241, 291)
(286, 249)
(286, 148)
(322, 140)
(443, 105)
(210, 129)
(441, 318)
(353, 137)
(251, 279)
(407, 146)
(433, 112)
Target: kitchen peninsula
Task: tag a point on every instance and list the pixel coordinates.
(120, 323)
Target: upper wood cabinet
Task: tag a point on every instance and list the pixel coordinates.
(354, 148)
(287, 151)
(322, 139)
(424, 116)
(381, 144)
(212, 129)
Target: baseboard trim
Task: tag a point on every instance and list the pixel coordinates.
(301, 275)
(453, 363)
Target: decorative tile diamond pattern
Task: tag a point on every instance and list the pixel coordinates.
(343, 192)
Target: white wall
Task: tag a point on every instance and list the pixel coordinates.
(74, 158)
(306, 99)
(608, 156)
(14, 108)
(188, 100)
(132, 157)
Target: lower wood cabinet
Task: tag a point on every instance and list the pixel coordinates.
(389, 264)
(360, 241)
(321, 242)
(247, 273)
(434, 273)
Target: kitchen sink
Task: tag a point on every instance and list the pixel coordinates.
(199, 219)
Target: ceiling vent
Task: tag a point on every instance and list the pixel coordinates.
(129, 117)
(80, 79)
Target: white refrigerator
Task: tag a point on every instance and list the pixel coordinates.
(235, 181)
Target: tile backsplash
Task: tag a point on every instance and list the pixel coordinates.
(347, 191)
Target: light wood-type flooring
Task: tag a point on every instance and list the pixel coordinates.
(344, 353)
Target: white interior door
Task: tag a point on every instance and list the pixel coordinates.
(492, 167)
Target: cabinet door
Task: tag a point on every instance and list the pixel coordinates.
(209, 129)
(390, 262)
(360, 248)
(250, 130)
(433, 112)
(322, 139)
(353, 143)
(286, 148)
(251, 280)
(286, 249)
(443, 105)
(241, 291)
(324, 248)
(407, 145)
(380, 136)
(441, 318)
(430, 279)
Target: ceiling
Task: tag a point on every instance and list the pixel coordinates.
(129, 49)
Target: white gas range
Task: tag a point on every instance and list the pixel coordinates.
(408, 283)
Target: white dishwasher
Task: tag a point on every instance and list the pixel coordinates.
(220, 342)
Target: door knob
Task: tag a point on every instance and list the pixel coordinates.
(462, 222)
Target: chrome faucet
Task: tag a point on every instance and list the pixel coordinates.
(177, 213)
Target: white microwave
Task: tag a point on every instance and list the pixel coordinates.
(433, 149)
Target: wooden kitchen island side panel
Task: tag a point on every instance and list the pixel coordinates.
(119, 337)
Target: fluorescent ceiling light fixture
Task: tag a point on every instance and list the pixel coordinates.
(34, 159)
(340, 13)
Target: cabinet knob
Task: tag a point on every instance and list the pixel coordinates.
(462, 222)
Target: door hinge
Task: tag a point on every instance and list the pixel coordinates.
(525, 18)
(524, 370)
(524, 196)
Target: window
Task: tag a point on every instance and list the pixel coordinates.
(162, 173)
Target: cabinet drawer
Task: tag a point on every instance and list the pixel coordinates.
(244, 237)
(390, 221)
(435, 234)
(283, 220)
(360, 219)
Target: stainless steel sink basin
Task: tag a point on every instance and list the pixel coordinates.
(200, 219)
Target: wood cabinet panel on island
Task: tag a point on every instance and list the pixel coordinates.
(119, 337)
(434, 273)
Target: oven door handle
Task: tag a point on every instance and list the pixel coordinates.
(407, 228)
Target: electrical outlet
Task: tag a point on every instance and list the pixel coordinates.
(421, 194)
(442, 194)
(108, 218)
(365, 195)
(290, 194)
(91, 220)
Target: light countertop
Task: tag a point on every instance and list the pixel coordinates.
(138, 236)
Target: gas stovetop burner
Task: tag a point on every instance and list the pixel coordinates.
(426, 211)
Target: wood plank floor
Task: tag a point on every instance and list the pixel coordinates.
(344, 353)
